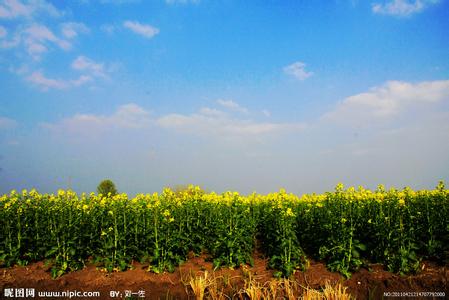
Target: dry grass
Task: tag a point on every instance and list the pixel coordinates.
(215, 291)
(270, 290)
(206, 286)
(336, 292)
(330, 292)
(199, 285)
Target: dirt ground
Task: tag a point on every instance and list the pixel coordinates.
(364, 284)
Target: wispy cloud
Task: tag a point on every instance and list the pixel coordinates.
(402, 8)
(128, 116)
(108, 28)
(7, 123)
(82, 63)
(38, 37)
(212, 112)
(266, 113)
(388, 101)
(3, 32)
(89, 69)
(10, 9)
(39, 79)
(21, 70)
(229, 104)
(6, 43)
(144, 30)
(298, 70)
(207, 122)
(204, 123)
(71, 30)
(31, 33)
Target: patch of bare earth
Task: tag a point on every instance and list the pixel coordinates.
(364, 284)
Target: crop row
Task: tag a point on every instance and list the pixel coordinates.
(346, 228)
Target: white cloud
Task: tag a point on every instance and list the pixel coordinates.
(41, 33)
(212, 112)
(266, 113)
(7, 123)
(13, 8)
(39, 79)
(129, 116)
(71, 30)
(10, 9)
(229, 104)
(89, 69)
(108, 28)
(402, 7)
(21, 70)
(144, 30)
(32, 37)
(81, 80)
(38, 37)
(207, 122)
(204, 123)
(298, 70)
(45, 83)
(82, 63)
(389, 100)
(6, 44)
(3, 32)
(36, 49)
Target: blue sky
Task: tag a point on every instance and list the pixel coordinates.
(241, 95)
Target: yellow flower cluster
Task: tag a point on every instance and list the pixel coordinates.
(281, 200)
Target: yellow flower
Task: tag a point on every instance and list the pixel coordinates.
(34, 193)
(85, 207)
(343, 220)
(166, 213)
(289, 212)
(340, 187)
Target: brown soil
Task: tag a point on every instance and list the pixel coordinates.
(364, 284)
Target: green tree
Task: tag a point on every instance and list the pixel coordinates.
(107, 186)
